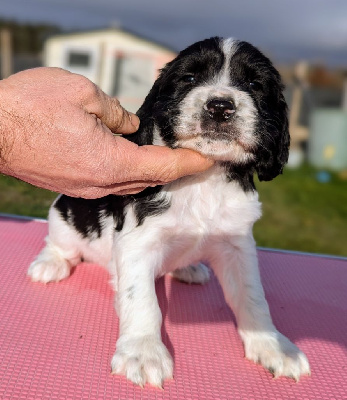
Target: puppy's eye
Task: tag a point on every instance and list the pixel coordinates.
(255, 86)
(188, 79)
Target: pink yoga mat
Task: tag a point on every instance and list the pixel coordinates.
(57, 340)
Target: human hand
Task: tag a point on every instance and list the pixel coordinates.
(57, 133)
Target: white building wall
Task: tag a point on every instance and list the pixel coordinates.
(139, 59)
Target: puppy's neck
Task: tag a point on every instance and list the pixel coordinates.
(214, 174)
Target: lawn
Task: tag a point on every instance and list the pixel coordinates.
(299, 213)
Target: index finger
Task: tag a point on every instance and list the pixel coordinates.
(117, 118)
(112, 114)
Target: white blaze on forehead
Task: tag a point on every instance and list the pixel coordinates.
(229, 47)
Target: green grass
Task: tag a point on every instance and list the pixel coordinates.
(302, 214)
(299, 213)
(20, 198)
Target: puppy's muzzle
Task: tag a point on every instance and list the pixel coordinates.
(220, 110)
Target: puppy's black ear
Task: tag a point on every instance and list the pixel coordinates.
(274, 149)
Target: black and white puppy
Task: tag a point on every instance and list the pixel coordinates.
(222, 98)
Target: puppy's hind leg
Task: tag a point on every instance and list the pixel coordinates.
(60, 254)
(51, 265)
(198, 273)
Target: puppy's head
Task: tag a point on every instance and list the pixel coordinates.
(222, 98)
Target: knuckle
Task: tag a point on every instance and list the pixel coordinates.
(86, 88)
(115, 103)
(118, 113)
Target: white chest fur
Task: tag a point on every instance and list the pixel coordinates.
(212, 204)
(202, 207)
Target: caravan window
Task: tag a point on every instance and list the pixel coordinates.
(133, 79)
(82, 59)
(79, 59)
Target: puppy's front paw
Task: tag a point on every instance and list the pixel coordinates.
(142, 359)
(276, 353)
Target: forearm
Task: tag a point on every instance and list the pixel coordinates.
(7, 131)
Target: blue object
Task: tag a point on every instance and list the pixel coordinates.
(323, 176)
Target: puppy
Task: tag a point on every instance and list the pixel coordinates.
(222, 98)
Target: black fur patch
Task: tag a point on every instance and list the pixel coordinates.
(242, 175)
(149, 206)
(87, 215)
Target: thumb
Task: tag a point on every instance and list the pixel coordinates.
(162, 164)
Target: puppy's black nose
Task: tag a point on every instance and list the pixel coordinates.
(220, 110)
